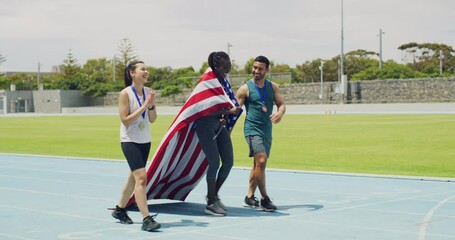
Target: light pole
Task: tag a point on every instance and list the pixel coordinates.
(343, 80)
(229, 54)
(342, 43)
(229, 49)
(440, 62)
(114, 68)
(39, 74)
(380, 48)
(322, 79)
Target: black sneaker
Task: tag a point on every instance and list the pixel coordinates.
(120, 214)
(251, 202)
(267, 205)
(149, 223)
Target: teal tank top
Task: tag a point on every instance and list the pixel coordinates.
(257, 122)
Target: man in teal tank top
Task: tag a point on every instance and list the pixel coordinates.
(259, 95)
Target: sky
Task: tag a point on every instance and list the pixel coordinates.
(182, 33)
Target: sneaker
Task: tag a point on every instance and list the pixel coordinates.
(120, 214)
(220, 204)
(251, 202)
(215, 210)
(149, 223)
(267, 205)
(218, 201)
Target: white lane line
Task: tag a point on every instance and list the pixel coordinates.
(426, 221)
(440, 216)
(72, 172)
(54, 194)
(9, 236)
(57, 181)
(292, 217)
(47, 212)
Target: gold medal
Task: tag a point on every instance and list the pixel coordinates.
(264, 108)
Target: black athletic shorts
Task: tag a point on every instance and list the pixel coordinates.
(136, 154)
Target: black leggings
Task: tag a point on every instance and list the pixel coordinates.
(136, 154)
(215, 147)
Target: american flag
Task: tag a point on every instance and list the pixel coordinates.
(179, 163)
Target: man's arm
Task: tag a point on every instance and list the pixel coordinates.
(242, 94)
(279, 101)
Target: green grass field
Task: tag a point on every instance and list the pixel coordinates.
(416, 145)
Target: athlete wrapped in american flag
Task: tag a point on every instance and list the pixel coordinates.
(180, 163)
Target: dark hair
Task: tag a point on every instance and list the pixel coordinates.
(216, 59)
(127, 76)
(262, 59)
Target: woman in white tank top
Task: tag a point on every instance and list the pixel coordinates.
(136, 110)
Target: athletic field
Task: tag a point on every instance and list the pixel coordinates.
(392, 139)
(333, 174)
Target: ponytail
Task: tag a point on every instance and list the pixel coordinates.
(210, 61)
(127, 76)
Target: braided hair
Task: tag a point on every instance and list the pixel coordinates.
(216, 59)
(127, 76)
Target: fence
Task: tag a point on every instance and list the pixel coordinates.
(2, 103)
(239, 79)
(281, 78)
(377, 91)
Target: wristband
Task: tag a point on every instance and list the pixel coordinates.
(152, 108)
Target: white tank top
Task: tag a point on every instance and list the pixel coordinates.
(139, 130)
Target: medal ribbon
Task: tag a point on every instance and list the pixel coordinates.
(260, 94)
(139, 101)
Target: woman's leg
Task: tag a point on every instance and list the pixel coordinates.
(140, 177)
(210, 148)
(127, 191)
(224, 144)
(136, 155)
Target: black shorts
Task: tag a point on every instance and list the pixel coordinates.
(136, 154)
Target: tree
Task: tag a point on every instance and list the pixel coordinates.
(4, 82)
(159, 78)
(390, 70)
(23, 81)
(126, 54)
(70, 79)
(425, 57)
(248, 68)
(359, 60)
(204, 67)
(281, 68)
(305, 72)
(310, 72)
(235, 68)
(50, 81)
(97, 74)
(184, 77)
